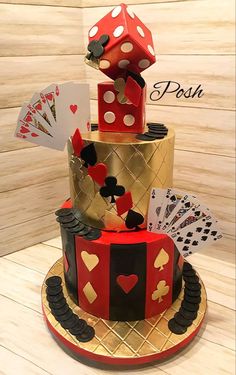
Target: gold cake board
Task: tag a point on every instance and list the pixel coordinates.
(127, 343)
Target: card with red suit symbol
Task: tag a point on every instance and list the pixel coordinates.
(55, 113)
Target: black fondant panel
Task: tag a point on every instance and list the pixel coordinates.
(128, 260)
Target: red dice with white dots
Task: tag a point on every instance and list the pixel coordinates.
(130, 43)
(116, 117)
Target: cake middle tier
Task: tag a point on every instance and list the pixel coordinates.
(137, 165)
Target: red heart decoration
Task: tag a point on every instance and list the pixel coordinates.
(38, 106)
(73, 108)
(127, 282)
(28, 118)
(23, 130)
(98, 173)
(49, 96)
(34, 135)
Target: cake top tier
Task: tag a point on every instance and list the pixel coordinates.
(120, 42)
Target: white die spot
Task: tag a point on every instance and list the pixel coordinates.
(93, 31)
(118, 31)
(140, 31)
(123, 64)
(126, 47)
(151, 50)
(130, 13)
(116, 11)
(129, 120)
(109, 97)
(104, 64)
(144, 63)
(109, 117)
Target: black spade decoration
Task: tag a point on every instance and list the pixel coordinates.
(89, 155)
(111, 189)
(133, 220)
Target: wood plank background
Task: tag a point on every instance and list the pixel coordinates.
(44, 41)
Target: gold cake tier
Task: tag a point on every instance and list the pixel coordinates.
(137, 165)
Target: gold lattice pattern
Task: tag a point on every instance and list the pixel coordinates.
(131, 339)
(138, 167)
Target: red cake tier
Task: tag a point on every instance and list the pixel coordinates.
(122, 276)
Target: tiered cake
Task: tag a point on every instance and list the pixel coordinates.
(119, 277)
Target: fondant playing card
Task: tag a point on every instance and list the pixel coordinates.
(155, 203)
(183, 218)
(72, 107)
(56, 113)
(196, 235)
(175, 199)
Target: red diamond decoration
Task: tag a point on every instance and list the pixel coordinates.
(124, 203)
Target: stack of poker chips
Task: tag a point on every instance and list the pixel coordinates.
(63, 313)
(155, 131)
(71, 220)
(190, 304)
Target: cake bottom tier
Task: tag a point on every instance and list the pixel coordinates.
(124, 276)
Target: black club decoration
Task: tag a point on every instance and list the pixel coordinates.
(111, 189)
(96, 47)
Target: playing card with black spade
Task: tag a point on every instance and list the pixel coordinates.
(196, 235)
(183, 218)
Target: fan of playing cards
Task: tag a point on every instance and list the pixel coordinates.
(53, 115)
(183, 218)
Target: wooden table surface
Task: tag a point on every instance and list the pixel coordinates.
(27, 348)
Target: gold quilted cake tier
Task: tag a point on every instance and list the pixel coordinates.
(137, 165)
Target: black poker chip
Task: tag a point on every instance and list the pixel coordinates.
(176, 328)
(78, 228)
(155, 125)
(57, 298)
(58, 305)
(63, 212)
(187, 266)
(191, 279)
(65, 219)
(192, 299)
(190, 306)
(70, 323)
(53, 281)
(144, 137)
(63, 317)
(71, 224)
(80, 326)
(153, 135)
(62, 310)
(189, 273)
(87, 335)
(182, 321)
(53, 291)
(192, 293)
(195, 287)
(84, 231)
(94, 234)
(190, 315)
